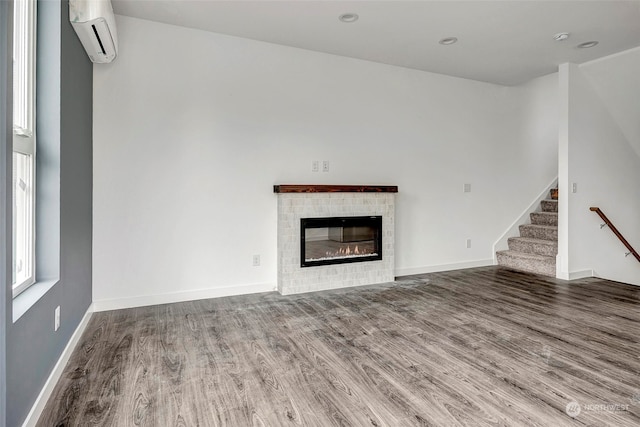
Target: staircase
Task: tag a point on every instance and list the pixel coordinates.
(536, 248)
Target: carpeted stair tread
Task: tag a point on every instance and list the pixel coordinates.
(533, 263)
(549, 205)
(534, 246)
(544, 232)
(544, 218)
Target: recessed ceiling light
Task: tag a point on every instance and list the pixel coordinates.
(561, 36)
(348, 17)
(448, 40)
(587, 45)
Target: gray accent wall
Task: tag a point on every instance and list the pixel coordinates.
(66, 82)
(6, 9)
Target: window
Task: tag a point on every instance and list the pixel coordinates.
(24, 144)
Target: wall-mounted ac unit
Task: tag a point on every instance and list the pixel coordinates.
(95, 26)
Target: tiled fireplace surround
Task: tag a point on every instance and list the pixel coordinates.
(330, 201)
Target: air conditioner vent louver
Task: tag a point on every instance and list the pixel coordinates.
(99, 41)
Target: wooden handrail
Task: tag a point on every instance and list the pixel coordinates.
(616, 232)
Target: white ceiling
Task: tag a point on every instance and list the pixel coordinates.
(503, 42)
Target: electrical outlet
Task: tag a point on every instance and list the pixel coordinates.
(56, 319)
(466, 188)
(325, 166)
(256, 260)
(315, 166)
(468, 243)
(574, 187)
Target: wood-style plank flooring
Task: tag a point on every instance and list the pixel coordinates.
(484, 346)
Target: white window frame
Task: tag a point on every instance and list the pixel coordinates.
(24, 135)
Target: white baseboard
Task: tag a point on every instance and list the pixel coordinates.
(145, 300)
(575, 275)
(56, 373)
(443, 267)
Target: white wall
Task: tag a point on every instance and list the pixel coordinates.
(599, 146)
(536, 144)
(616, 80)
(192, 129)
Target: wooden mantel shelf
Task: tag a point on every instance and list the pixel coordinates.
(302, 188)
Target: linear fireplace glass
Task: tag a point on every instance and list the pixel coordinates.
(339, 240)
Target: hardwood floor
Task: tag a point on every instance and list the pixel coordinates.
(484, 346)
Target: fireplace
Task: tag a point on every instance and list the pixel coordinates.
(319, 203)
(340, 240)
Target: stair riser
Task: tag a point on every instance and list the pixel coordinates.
(549, 205)
(533, 248)
(545, 268)
(543, 219)
(539, 233)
